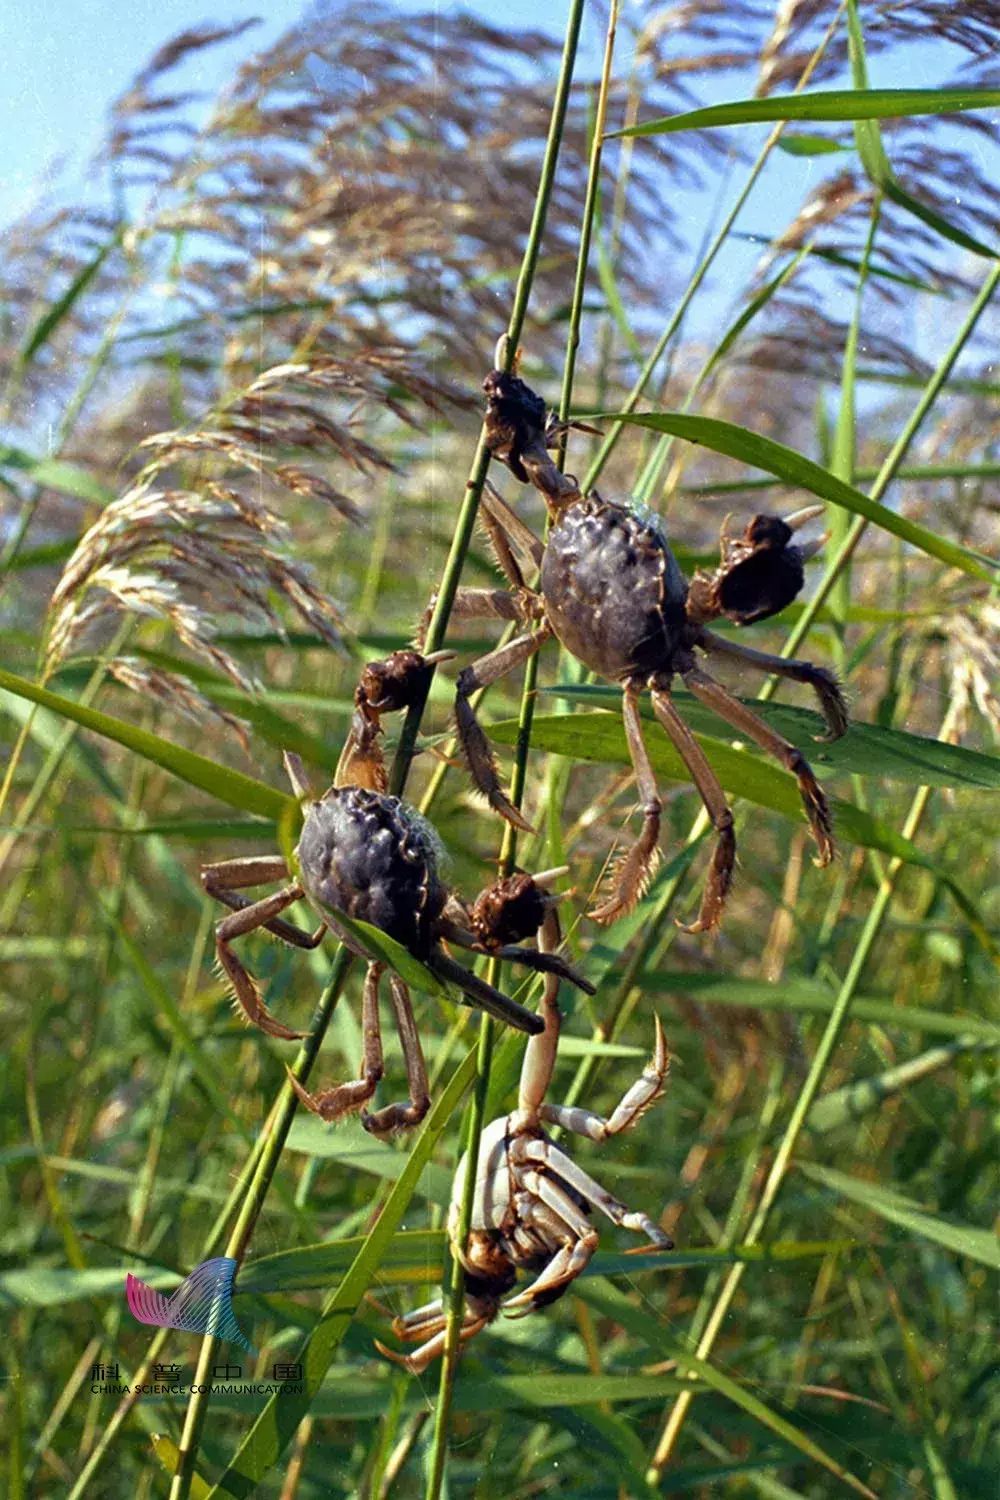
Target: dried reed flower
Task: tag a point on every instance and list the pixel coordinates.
(178, 693)
(974, 657)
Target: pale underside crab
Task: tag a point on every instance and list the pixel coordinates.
(613, 594)
(531, 1204)
(373, 858)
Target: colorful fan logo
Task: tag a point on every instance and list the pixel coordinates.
(201, 1304)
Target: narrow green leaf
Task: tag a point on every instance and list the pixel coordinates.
(358, 1151)
(60, 309)
(640, 1323)
(823, 105)
(763, 453)
(232, 787)
(800, 143)
(56, 474)
(872, 152)
(276, 1425)
(600, 737)
(54, 1286)
(811, 998)
(866, 749)
(380, 945)
(169, 1454)
(847, 1105)
(416, 1256)
(978, 1244)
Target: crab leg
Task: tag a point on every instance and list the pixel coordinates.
(475, 746)
(413, 1325)
(720, 872)
(824, 683)
(402, 1116)
(548, 1156)
(476, 604)
(484, 995)
(222, 880)
(548, 1205)
(716, 697)
(643, 1093)
(417, 1362)
(498, 516)
(331, 1104)
(635, 868)
(260, 914)
(545, 963)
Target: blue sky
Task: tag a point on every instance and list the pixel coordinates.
(62, 64)
(64, 61)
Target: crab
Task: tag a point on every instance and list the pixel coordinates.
(373, 858)
(531, 1202)
(613, 594)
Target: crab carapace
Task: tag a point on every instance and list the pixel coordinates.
(611, 591)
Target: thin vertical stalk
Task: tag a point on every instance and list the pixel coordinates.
(783, 1156)
(253, 1202)
(477, 474)
(508, 850)
(606, 449)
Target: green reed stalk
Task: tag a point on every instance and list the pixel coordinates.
(252, 1203)
(783, 1156)
(609, 444)
(462, 537)
(477, 1108)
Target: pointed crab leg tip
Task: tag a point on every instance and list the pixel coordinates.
(809, 549)
(660, 1044)
(397, 1359)
(296, 773)
(500, 352)
(801, 517)
(549, 877)
(439, 656)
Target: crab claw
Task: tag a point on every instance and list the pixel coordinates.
(760, 573)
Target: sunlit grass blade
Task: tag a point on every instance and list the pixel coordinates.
(786, 464)
(867, 749)
(232, 787)
(277, 1423)
(978, 1244)
(836, 106)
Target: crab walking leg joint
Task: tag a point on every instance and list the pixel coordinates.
(612, 593)
(531, 1204)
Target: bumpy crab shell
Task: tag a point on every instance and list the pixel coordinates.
(614, 593)
(373, 857)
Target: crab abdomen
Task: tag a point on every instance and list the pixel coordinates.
(372, 857)
(613, 591)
